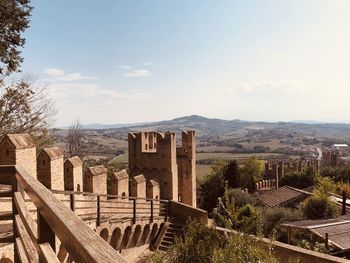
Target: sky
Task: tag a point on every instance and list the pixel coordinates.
(116, 61)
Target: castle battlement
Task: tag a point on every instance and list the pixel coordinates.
(156, 156)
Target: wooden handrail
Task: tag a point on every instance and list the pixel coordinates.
(81, 242)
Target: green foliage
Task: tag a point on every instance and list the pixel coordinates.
(14, 19)
(337, 173)
(274, 217)
(307, 241)
(251, 172)
(213, 186)
(241, 198)
(242, 248)
(231, 174)
(319, 206)
(198, 245)
(298, 179)
(203, 244)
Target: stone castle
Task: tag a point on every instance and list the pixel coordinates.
(158, 168)
(156, 156)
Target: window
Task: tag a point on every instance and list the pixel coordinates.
(156, 196)
(146, 146)
(43, 162)
(78, 187)
(7, 152)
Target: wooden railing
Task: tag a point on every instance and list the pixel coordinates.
(35, 238)
(106, 207)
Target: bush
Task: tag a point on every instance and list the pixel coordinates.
(298, 179)
(241, 198)
(242, 249)
(203, 244)
(198, 245)
(319, 206)
(274, 217)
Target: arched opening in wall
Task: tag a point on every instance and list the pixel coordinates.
(157, 197)
(104, 234)
(43, 162)
(78, 187)
(145, 234)
(153, 234)
(126, 238)
(116, 235)
(136, 236)
(123, 194)
(7, 152)
(146, 146)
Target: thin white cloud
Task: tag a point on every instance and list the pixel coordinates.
(152, 65)
(59, 74)
(138, 73)
(75, 91)
(125, 67)
(54, 72)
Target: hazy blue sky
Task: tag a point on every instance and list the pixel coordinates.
(131, 61)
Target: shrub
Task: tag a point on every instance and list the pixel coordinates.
(242, 248)
(198, 245)
(274, 217)
(319, 206)
(241, 198)
(203, 244)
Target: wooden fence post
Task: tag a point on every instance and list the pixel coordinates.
(134, 211)
(72, 202)
(152, 210)
(98, 220)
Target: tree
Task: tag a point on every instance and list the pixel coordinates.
(213, 186)
(75, 139)
(14, 19)
(231, 174)
(251, 172)
(299, 180)
(25, 108)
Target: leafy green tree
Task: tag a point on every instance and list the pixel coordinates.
(319, 205)
(14, 20)
(213, 186)
(251, 172)
(232, 175)
(298, 179)
(241, 198)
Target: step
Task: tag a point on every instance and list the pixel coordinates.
(7, 193)
(166, 243)
(6, 216)
(169, 239)
(163, 248)
(7, 239)
(168, 234)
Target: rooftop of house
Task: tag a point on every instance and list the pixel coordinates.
(281, 196)
(338, 229)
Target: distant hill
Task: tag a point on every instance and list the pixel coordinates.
(214, 127)
(219, 127)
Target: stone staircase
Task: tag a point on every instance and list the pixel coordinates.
(173, 229)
